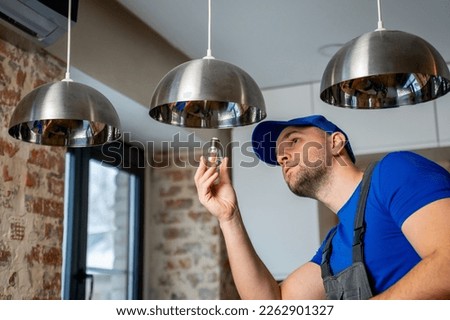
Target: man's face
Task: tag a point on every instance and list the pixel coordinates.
(305, 159)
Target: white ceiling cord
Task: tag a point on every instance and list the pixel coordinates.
(69, 18)
(208, 52)
(380, 21)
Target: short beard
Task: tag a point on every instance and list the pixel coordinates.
(309, 181)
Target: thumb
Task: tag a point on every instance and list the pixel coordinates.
(224, 171)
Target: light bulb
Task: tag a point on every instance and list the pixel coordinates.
(214, 153)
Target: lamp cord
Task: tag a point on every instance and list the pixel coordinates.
(380, 21)
(208, 52)
(69, 18)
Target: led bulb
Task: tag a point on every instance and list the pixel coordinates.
(214, 153)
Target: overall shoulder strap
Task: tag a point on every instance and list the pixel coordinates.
(360, 226)
(326, 253)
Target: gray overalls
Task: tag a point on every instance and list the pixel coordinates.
(351, 283)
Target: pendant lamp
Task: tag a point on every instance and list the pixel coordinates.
(384, 69)
(207, 93)
(65, 113)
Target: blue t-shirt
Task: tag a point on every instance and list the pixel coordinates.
(402, 183)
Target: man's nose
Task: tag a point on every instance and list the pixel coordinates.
(282, 157)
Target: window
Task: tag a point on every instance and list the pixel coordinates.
(103, 219)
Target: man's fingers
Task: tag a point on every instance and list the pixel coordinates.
(224, 172)
(201, 169)
(204, 177)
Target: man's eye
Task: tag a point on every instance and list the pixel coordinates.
(295, 140)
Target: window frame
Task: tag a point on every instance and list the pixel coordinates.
(124, 157)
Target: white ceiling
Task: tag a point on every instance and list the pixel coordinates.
(287, 42)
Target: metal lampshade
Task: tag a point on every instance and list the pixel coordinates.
(384, 69)
(207, 93)
(65, 113)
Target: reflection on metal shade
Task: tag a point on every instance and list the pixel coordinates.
(384, 69)
(207, 93)
(65, 113)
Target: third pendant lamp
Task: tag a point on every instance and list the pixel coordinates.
(384, 69)
(207, 93)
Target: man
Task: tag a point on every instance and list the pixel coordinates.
(406, 241)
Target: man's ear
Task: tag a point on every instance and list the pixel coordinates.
(338, 142)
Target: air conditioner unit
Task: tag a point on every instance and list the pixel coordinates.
(43, 20)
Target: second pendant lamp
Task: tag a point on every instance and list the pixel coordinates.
(384, 69)
(207, 93)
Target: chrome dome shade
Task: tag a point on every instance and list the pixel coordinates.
(207, 93)
(65, 113)
(384, 69)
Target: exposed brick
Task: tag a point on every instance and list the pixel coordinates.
(181, 161)
(178, 203)
(20, 78)
(215, 230)
(6, 176)
(37, 256)
(4, 77)
(17, 231)
(214, 249)
(5, 254)
(189, 248)
(52, 231)
(165, 280)
(8, 197)
(39, 82)
(41, 294)
(160, 161)
(55, 185)
(5, 296)
(178, 295)
(44, 158)
(206, 293)
(200, 216)
(34, 256)
(32, 180)
(33, 205)
(212, 277)
(53, 208)
(13, 280)
(178, 175)
(170, 192)
(45, 207)
(52, 256)
(170, 265)
(9, 97)
(185, 263)
(171, 233)
(52, 281)
(195, 279)
(166, 217)
(175, 233)
(8, 148)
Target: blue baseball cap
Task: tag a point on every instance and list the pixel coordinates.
(266, 133)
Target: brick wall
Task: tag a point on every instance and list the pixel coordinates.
(31, 188)
(187, 253)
